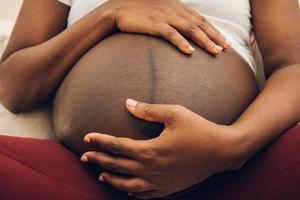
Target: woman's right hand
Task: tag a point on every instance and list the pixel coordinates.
(170, 19)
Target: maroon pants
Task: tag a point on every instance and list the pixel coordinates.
(39, 169)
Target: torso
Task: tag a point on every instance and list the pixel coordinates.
(149, 69)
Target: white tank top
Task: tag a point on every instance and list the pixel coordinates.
(232, 18)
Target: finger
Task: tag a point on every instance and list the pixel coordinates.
(135, 149)
(126, 184)
(153, 112)
(163, 30)
(172, 35)
(214, 34)
(192, 30)
(112, 163)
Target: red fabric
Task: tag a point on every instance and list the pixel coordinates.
(273, 173)
(33, 169)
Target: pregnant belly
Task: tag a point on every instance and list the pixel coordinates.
(92, 96)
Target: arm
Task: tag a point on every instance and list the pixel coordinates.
(277, 28)
(41, 51)
(191, 148)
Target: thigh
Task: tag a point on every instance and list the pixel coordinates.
(41, 169)
(274, 173)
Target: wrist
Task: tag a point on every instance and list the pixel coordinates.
(106, 17)
(236, 149)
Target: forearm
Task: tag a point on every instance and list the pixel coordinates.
(273, 111)
(29, 76)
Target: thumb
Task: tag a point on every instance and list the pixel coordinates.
(152, 112)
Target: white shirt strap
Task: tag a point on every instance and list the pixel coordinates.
(66, 2)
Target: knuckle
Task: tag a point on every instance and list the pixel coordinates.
(148, 111)
(161, 158)
(161, 152)
(206, 42)
(181, 41)
(138, 186)
(203, 23)
(192, 28)
(115, 145)
(113, 165)
(121, 22)
(169, 32)
(209, 44)
(149, 155)
(162, 11)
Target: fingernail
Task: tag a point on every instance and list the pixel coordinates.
(214, 47)
(219, 48)
(84, 158)
(131, 103)
(101, 178)
(87, 139)
(192, 49)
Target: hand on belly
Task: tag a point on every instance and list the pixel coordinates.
(188, 151)
(149, 69)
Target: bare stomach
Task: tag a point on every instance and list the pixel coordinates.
(92, 96)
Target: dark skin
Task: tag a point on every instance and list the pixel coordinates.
(48, 46)
(89, 101)
(233, 144)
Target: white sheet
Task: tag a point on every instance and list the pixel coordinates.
(35, 124)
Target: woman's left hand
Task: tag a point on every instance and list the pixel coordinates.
(189, 150)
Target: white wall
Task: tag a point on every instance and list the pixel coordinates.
(8, 13)
(9, 9)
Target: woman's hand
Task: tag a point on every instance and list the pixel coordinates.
(170, 19)
(188, 151)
